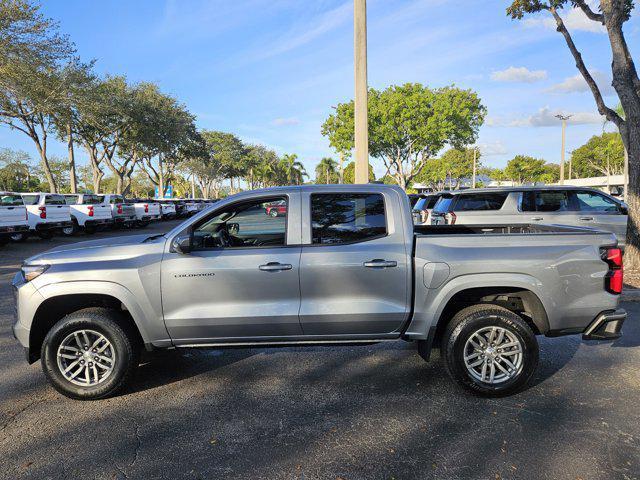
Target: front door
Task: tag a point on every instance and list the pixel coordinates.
(354, 269)
(240, 281)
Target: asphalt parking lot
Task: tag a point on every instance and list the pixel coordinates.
(374, 412)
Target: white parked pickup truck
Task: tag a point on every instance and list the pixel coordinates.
(146, 210)
(87, 213)
(122, 214)
(13, 216)
(46, 213)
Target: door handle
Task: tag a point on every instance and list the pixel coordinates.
(275, 267)
(537, 219)
(379, 263)
(586, 219)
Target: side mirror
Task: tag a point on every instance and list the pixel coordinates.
(182, 244)
(624, 210)
(233, 228)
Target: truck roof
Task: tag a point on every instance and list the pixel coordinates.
(516, 189)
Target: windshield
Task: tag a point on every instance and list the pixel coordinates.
(442, 205)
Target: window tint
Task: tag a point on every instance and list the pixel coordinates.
(71, 199)
(596, 202)
(10, 200)
(480, 202)
(31, 199)
(346, 217)
(256, 223)
(546, 201)
(443, 204)
(54, 200)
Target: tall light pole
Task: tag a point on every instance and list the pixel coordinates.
(564, 119)
(360, 62)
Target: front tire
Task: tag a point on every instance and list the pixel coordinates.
(90, 354)
(490, 351)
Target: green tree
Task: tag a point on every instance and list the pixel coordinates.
(409, 124)
(350, 173)
(17, 171)
(294, 169)
(523, 169)
(602, 155)
(226, 154)
(327, 171)
(612, 15)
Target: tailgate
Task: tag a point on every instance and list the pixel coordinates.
(101, 212)
(13, 215)
(58, 213)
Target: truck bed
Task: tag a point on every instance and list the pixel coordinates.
(507, 229)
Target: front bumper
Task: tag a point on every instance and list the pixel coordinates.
(606, 326)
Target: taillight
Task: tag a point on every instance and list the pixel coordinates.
(91, 210)
(614, 279)
(146, 208)
(119, 206)
(43, 212)
(450, 218)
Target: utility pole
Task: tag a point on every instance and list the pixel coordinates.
(473, 181)
(360, 64)
(193, 186)
(564, 119)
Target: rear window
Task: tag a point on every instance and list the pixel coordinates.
(31, 199)
(54, 200)
(443, 204)
(338, 218)
(480, 202)
(113, 200)
(10, 200)
(71, 199)
(546, 201)
(426, 203)
(90, 199)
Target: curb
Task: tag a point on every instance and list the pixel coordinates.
(630, 295)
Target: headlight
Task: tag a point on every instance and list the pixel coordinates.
(31, 272)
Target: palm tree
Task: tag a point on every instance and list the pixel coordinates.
(326, 170)
(294, 169)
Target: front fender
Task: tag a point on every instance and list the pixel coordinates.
(430, 303)
(152, 329)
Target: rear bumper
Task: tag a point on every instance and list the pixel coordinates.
(606, 326)
(10, 230)
(99, 221)
(124, 219)
(52, 225)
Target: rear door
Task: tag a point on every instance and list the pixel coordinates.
(354, 268)
(12, 210)
(599, 211)
(551, 206)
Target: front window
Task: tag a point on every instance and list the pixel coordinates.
(244, 224)
(338, 218)
(596, 202)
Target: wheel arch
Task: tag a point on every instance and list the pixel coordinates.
(60, 300)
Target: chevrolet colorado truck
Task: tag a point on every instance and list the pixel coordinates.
(345, 264)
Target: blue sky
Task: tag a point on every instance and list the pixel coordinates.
(270, 70)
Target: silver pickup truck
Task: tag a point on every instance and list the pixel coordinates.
(339, 264)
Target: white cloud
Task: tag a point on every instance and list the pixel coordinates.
(575, 19)
(519, 74)
(492, 148)
(285, 122)
(577, 84)
(545, 117)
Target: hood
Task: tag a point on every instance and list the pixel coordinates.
(121, 246)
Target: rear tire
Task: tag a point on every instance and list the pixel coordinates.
(19, 237)
(490, 350)
(71, 230)
(104, 369)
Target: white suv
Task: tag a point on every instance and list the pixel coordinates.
(87, 213)
(13, 216)
(46, 213)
